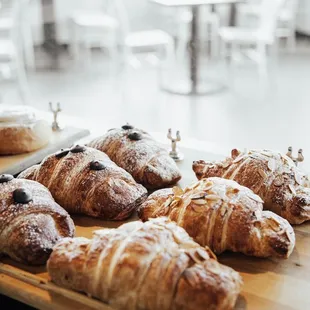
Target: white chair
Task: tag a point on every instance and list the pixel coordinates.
(11, 53)
(94, 29)
(25, 40)
(207, 30)
(253, 43)
(286, 27)
(112, 28)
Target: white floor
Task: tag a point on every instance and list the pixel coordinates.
(244, 117)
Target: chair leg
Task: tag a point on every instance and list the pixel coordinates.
(75, 47)
(291, 42)
(215, 39)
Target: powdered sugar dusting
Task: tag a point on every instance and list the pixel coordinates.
(29, 231)
(140, 158)
(271, 175)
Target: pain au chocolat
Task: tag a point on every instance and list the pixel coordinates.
(139, 154)
(85, 181)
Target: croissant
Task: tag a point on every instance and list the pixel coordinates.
(145, 266)
(84, 180)
(271, 175)
(31, 222)
(223, 215)
(138, 153)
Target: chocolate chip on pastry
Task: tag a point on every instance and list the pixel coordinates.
(22, 195)
(139, 154)
(127, 127)
(31, 222)
(110, 194)
(150, 266)
(62, 153)
(6, 178)
(271, 175)
(97, 165)
(135, 136)
(223, 215)
(78, 149)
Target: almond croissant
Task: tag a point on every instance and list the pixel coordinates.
(84, 180)
(223, 215)
(271, 175)
(138, 153)
(145, 266)
(31, 222)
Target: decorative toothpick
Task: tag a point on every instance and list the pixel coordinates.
(55, 124)
(298, 159)
(174, 152)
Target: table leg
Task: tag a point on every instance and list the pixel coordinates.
(233, 14)
(49, 31)
(193, 50)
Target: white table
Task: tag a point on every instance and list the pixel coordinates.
(196, 87)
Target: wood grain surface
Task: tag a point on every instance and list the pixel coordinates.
(269, 284)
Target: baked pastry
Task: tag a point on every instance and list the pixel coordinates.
(31, 222)
(21, 131)
(138, 153)
(271, 175)
(84, 180)
(223, 215)
(146, 266)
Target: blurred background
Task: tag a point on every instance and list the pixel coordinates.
(236, 73)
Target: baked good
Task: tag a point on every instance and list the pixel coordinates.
(146, 266)
(223, 215)
(21, 131)
(138, 153)
(271, 175)
(84, 180)
(31, 222)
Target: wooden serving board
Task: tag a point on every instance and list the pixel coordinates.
(269, 284)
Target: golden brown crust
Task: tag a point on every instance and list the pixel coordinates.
(145, 159)
(28, 231)
(223, 215)
(150, 266)
(271, 175)
(110, 193)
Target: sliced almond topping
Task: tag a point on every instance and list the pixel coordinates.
(192, 255)
(256, 198)
(198, 208)
(198, 195)
(286, 169)
(289, 236)
(278, 181)
(223, 210)
(199, 202)
(298, 178)
(232, 190)
(174, 203)
(239, 158)
(272, 164)
(292, 188)
(203, 254)
(177, 191)
(262, 173)
(266, 153)
(187, 201)
(212, 197)
(226, 164)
